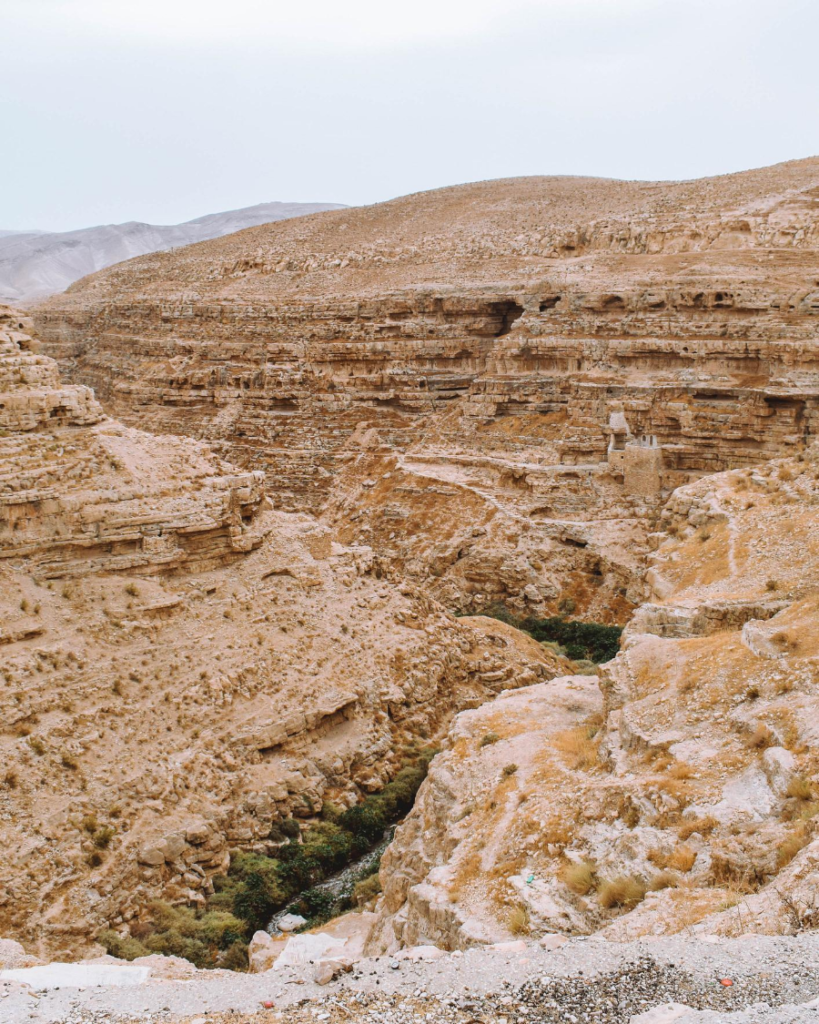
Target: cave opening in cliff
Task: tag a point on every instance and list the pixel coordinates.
(507, 313)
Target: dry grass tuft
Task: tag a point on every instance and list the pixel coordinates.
(580, 748)
(663, 880)
(789, 848)
(800, 788)
(580, 878)
(785, 640)
(519, 921)
(623, 891)
(682, 858)
(761, 737)
(703, 826)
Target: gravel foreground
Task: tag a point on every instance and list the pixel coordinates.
(751, 980)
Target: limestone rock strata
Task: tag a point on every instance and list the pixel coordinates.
(680, 790)
(183, 667)
(493, 331)
(80, 492)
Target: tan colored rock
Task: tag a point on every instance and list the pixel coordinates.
(158, 622)
(12, 956)
(675, 791)
(549, 357)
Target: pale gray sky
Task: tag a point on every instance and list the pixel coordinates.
(163, 110)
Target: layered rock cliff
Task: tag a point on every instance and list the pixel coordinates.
(680, 790)
(183, 666)
(556, 353)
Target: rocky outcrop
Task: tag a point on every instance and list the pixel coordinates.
(103, 498)
(490, 335)
(678, 790)
(183, 666)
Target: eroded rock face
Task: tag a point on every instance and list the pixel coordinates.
(182, 666)
(677, 791)
(81, 493)
(554, 351)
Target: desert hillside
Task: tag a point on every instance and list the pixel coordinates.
(34, 264)
(505, 495)
(530, 366)
(184, 667)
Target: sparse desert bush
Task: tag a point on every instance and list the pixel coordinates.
(772, 585)
(37, 745)
(703, 826)
(132, 590)
(68, 761)
(579, 877)
(366, 890)
(622, 891)
(628, 812)
(681, 858)
(581, 749)
(800, 788)
(761, 737)
(10, 780)
(102, 836)
(488, 739)
(663, 880)
(785, 640)
(792, 844)
(519, 921)
(509, 769)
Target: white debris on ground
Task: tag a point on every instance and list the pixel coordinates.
(751, 980)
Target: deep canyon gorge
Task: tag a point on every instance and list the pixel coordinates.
(273, 507)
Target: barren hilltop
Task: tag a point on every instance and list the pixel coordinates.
(506, 491)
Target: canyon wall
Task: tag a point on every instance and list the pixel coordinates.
(676, 791)
(558, 354)
(183, 666)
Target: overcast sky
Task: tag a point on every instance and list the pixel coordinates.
(163, 110)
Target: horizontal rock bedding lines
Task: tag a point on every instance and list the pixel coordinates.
(183, 667)
(279, 341)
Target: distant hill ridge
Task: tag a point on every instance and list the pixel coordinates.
(34, 264)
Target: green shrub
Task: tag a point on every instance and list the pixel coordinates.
(206, 939)
(235, 957)
(103, 835)
(290, 828)
(257, 886)
(126, 948)
(317, 905)
(582, 641)
(367, 889)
